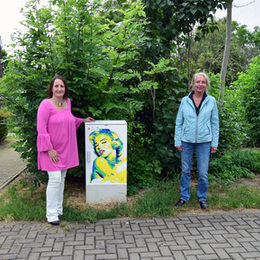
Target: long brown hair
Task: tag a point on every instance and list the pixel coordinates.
(50, 93)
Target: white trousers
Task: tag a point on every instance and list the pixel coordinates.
(54, 195)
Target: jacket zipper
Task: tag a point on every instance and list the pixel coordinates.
(197, 120)
(196, 130)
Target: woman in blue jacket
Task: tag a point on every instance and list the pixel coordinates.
(197, 128)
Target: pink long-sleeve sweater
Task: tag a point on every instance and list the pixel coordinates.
(57, 130)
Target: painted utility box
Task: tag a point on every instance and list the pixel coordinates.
(106, 161)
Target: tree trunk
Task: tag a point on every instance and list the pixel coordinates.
(226, 51)
(189, 60)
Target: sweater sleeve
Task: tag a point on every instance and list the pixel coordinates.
(78, 121)
(178, 126)
(43, 138)
(215, 125)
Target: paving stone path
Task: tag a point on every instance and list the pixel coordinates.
(206, 236)
(10, 163)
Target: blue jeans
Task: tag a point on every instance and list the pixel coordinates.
(203, 155)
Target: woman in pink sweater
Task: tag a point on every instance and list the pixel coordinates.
(57, 143)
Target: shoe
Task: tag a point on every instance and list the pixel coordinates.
(55, 223)
(203, 204)
(180, 203)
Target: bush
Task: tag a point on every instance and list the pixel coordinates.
(3, 127)
(241, 107)
(250, 81)
(232, 125)
(97, 57)
(235, 164)
(143, 168)
(107, 75)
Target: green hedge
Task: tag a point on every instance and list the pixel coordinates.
(235, 164)
(3, 128)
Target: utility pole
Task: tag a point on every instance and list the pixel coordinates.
(226, 51)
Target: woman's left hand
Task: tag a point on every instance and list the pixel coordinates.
(89, 119)
(213, 149)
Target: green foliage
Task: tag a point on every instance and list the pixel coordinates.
(207, 53)
(171, 20)
(92, 214)
(164, 123)
(101, 59)
(248, 41)
(3, 124)
(21, 205)
(232, 126)
(249, 83)
(157, 201)
(24, 201)
(3, 61)
(235, 164)
(236, 197)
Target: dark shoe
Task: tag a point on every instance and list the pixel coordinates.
(203, 204)
(55, 223)
(180, 203)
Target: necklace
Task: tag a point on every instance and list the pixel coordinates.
(60, 104)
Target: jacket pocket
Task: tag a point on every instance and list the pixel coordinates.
(185, 132)
(204, 134)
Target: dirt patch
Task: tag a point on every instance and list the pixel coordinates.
(75, 196)
(255, 182)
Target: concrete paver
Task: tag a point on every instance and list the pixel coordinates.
(10, 162)
(203, 236)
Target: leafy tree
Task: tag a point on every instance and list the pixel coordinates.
(171, 21)
(99, 58)
(109, 9)
(249, 84)
(248, 41)
(239, 116)
(3, 60)
(207, 53)
(232, 126)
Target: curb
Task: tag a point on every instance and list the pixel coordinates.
(12, 178)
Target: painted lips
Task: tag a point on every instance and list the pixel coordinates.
(101, 151)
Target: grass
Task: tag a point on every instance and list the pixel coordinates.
(237, 197)
(23, 201)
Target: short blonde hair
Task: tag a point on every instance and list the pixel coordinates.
(200, 74)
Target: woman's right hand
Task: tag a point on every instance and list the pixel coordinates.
(88, 119)
(53, 155)
(179, 148)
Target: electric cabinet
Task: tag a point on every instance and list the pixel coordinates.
(106, 161)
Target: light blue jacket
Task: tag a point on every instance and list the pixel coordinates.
(197, 129)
